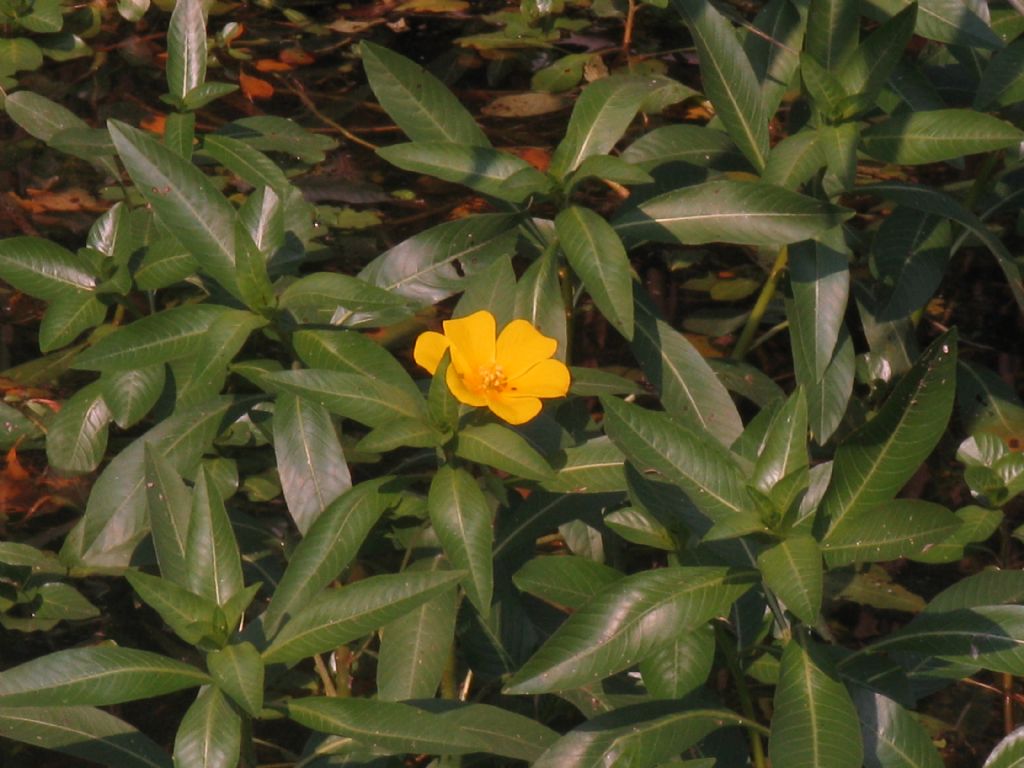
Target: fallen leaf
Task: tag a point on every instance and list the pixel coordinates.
(255, 88)
(69, 200)
(526, 104)
(296, 57)
(154, 124)
(271, 65)
(433, 6)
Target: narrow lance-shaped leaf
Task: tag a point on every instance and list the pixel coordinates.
(729, 80)
(893, 737)
(186, 48)
(625, 622)
(310, 460)
(815, 723)
(210, 733)
(690, 391)
(832, 31)
(212, 557)
(95, 676)
(873, 463)
(77, 437)
(417, 101)
(169, 508)
(820, 283)
(916, 138)
(702, 467)
(341, 615)
(600, 117)
(596, 254)
(183, 199)
(238, 670)
(461, 518)
(502, 448)
(328, 546)
(792, 569)
(85, 733)
(42, 268)
(747, 213)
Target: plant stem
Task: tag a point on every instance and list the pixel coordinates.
(725, 643)
(325, 676)
(763, 299)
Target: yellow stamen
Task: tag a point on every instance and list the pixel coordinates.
(493, 378)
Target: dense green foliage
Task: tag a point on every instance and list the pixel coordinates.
(558, 593)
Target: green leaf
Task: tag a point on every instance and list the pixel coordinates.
(352, 395)
(212, 556)
(67, 316)
(826, 91)
(500, 731)
(815, 723)
(324, 296)
(690, 391)
(478, 167)
(917, 138)
(165, 263)
(169, 506)
(183, 199)
(398, 728)
(262, 215)
(932, 201)
(416, 647)
(1002, 82)
(418, 102)
(238, 671)
(115, 518)
(892, 529)
(310, 460)
(341, 615)
(645, 734)
(39, 116)
(828, 399)
(911, 252)
(595, 466)
(893, 737)
(203, 375)
(254, 284)
(402, 433)
(874, 462)
(728, 78)
(781, 469)
(132, 10)
(95, 676)
(833, 27)
(18, 54)
(568, 581)
(43, 269)
(83, 732)
(210, 733)
(538, 299)
(461, 518)
(327, 548)
(434, 264)
(77, 438)
(875, 59)
(792, 569)
(599, 119)
(638, 526)
(772, 47)
(794, 160)
(502, 448)
(598, 257)
(989, 587)
(352, 352)
(947, 21)
(191, 617)
(186, 48)
(203, 94)
(991, 637)
(250, 165)
(624, 622)
(610, 168)
(131, 393)
(742, 212)
(692, 144)
(820, 284)
(681, 665)
(1008, 753)
(976, 524)
(168, 335)
(703, 468)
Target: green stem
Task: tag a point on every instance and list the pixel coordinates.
(763, 299)
(725, 644)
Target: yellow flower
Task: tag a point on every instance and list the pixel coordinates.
(508, 375)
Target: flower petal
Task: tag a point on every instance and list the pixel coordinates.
(472, 340)
(459, 389)
(430, 348)
(514, 410)
(548, 378)
(520, 346)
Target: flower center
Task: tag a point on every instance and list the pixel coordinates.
(492, 378)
